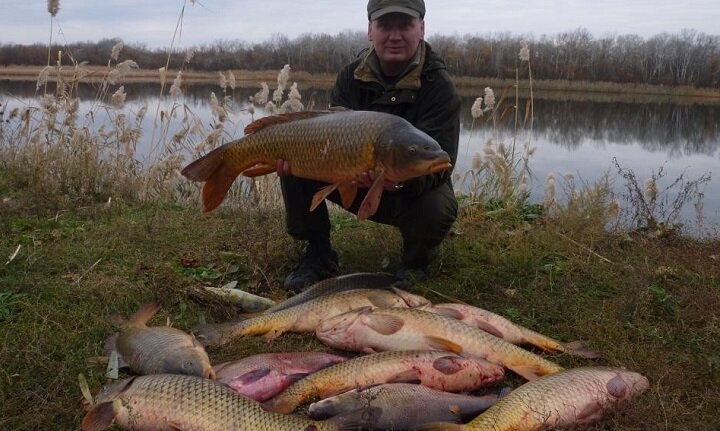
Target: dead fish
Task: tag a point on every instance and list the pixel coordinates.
(512, 333)
(359, 280)
(157, 349)
(171, 402)
(373, 330)
(568, 399)
(304, 317)
(439, 370)
(399, 406)
(333, 146)
(245, 301)
(261, 377)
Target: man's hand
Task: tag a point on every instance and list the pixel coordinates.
(283, 168)
(366, 179)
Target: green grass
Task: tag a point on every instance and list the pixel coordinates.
(654, 309)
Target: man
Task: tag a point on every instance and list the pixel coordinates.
(401, 75)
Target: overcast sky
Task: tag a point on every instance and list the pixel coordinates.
(152, 22)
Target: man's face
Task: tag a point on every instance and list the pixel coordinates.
(395, 37)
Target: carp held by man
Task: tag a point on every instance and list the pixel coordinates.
(334, 146)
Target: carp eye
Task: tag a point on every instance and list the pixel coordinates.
(412, 149)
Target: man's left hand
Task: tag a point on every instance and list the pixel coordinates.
(366, 179)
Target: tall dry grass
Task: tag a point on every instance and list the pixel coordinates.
(501, 174)
(62, 151)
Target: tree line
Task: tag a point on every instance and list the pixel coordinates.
(688, 58)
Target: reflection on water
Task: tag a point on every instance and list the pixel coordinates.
(573, 136)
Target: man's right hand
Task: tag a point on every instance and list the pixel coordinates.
(283, 168)
(364, 180)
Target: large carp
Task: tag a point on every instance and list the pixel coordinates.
(357, 280)
(381, 329)
(171, 402)
(444, 371)
(333, 146)
(399, 406)
(306, 316)
(511, 332)
(566, 400)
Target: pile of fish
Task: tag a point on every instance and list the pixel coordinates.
(415, 366)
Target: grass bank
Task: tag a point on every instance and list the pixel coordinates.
(649, 303)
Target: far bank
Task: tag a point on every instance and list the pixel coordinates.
(467, 85)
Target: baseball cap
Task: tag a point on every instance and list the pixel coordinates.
(378, 8)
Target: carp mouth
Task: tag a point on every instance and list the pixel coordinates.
(439, 166)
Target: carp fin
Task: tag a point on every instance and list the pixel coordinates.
(439, 343)
(447, 312)
(219, 367)
(527, 371)
(101, 416)
(370, 204)
(384, 324)
(144, 314)
(271, 120)
(280, 405)
(259, 170)
(202, 168)
(581, 348)
(217, 186)
(379, 300)
(347, 194)
(408, 376)
(362, 418)
(441, 426)
(320, 195)
(273, 334)
(292, 378)
(252, 376)
(590, 413)
(489, 328)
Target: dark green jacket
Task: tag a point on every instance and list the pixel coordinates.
(426, 97)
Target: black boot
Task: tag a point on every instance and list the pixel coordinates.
(414, 265)
(317, 263)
